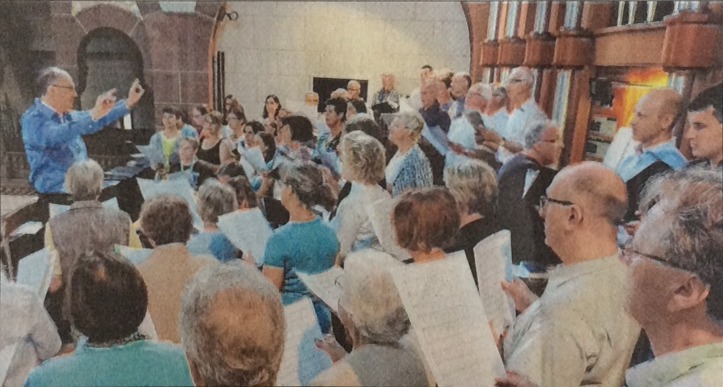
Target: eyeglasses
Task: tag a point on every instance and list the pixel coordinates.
(64, 87)
(544, 200)
(515, 80)
(628, 253)
(552, 141)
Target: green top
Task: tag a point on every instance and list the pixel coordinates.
(169, 145)
(697, 366)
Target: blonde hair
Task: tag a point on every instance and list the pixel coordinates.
(363, 156)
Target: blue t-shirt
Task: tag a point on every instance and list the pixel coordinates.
(212, 243)
(309, 247)
(139, 363)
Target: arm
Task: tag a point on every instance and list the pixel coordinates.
(274, 261)
(44, 335)
(346, 224)
(275, 275)
(57, 280)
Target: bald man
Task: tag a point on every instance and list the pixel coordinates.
(577, 333)
(652, 125)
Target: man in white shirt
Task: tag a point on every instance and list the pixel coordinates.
(496, 115)
(578, 333)
(426, 73)
(676, 292)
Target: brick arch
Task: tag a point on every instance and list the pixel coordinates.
(107, 15)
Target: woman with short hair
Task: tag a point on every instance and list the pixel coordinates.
(362, 159)
(424, 221)
(473, 184)
(372, 312)
(214, 199)
(197, 170)
(113, 352)
(306, 244)
(409, 167)
(86, 225)
(167, 222)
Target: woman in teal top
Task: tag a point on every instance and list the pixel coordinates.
(111, 352)
(306, 244)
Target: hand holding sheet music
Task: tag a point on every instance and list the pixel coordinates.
(178, 187)
(493, 260)
(449, 320)
(302, 360)
(248, 230)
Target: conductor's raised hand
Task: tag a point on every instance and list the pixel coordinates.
(134, 94)
(103, 104)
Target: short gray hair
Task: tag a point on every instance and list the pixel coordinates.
(232, 326)
(47, 77)
(84, 180)
(215, 199)
(412, 121)
(364, 156)
(372, 299)
(532, 133)
(473, 184)
(690, 231)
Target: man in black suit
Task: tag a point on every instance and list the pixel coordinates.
(522, 181)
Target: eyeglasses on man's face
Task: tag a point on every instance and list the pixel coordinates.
(72, 88)
(544, 200)
(628, 254)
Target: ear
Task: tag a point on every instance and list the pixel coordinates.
(575, 217)
(690, 294)
(667, 121)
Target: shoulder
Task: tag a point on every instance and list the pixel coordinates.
(340, 374)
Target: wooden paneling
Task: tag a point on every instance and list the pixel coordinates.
(490, 52)
(578, 117)
(511, 52)
(557, 17)
(573, 49)
(597, 15)
(540, 50)
(526, 19)
(633, 45)
(690, 41)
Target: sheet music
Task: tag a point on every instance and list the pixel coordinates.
(247, 230)
(35, 271)
(153, 156)
(301, 361)
(437, 138)
(449, 320)
(254, 156)
(178, 187)
(493, 260)
(6, 356)
(137, 256)
(328, 286)
(380, 216)
(57, 209)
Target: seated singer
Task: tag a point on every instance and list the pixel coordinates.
(52, 131)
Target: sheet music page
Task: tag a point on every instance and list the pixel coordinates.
(449, 320)
(137, 256)
(493, 259)
(255, 158)
(178, 187)
(6, 356)
(151, 154)
(437, 138)
(57, 209)
(328, 286)
(301, 361)
(35, 271)
(247, 230)
(380, 216)
(249, 170)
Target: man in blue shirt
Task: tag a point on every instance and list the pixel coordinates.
(52, 131)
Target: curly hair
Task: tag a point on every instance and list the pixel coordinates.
(473, 184)
(363, 157)
(166, 219)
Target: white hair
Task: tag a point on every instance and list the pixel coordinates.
(483, 89)
(372, 299)
(84, 180)
(532, 133)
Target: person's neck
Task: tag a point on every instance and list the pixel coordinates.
(466, 218)
(432, 255)
(404, 146)
(335, 129)
(588, 246)
(300, 214)
(170, 132)
(47, 103)
(516, 103)
(655, 142)
(212, 137)
(534, 155)
(715, 161)
(692, 332)
(444, 99)
(210, 227)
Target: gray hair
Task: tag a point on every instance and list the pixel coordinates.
(353, 82)
(215, 199)
(412, 121)
(473, 184)
(47, 77)
(232, 326)
(532, 133)
(84, 180)
(364, 156)
(525, 74)
(372, 299)
(690, 230)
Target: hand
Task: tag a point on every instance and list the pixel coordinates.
(514, 380)
(456, 148)
(491, 136)
(521, 294)
(332, 348)
(103, 104)
(134, 94)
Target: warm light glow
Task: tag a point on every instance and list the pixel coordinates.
(638, 83)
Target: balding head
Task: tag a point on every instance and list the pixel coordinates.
(519, 84)
(596, 188)
(232, 327)
(655, 116)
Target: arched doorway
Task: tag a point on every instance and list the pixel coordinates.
(108, 58)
